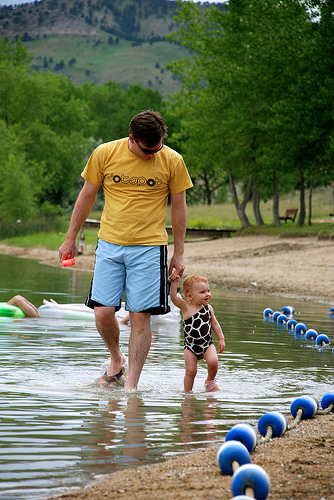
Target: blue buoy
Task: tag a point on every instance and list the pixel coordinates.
(331, 311)
(322, 340)
(229, 452)
(277, 421)
(289, 310)
(308, 404)
(251, 476)
(327, 399)
(311, 334)
(300, 329)
(276, 314)
(244, 433)
(282, 319)
(291, 324)
(267, 313)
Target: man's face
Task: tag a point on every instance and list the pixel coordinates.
(142, 151)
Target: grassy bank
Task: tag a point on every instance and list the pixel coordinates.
(225, 215)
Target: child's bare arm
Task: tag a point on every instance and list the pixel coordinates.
(177, 301)
(218, 331)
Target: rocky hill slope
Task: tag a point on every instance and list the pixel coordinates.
(137, 20)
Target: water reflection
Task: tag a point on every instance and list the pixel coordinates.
(119, 433)
(198, 422)
(60, 429)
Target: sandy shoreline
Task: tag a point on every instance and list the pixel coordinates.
(298, 268)
(299, 464)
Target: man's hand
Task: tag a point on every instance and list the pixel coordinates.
(67, 250)
(82, 208)
(176, 266)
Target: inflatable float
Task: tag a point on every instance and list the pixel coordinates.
(53, 310)
(66, 311)
(7, 311)
(81, 311)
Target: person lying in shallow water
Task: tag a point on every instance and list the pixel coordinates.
(31, 311)
(27, 307)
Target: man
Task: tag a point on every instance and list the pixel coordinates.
(137, 173)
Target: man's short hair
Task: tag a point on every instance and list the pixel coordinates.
(148, 127)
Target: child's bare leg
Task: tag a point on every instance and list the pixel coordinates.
(211, 359)
(191, 370)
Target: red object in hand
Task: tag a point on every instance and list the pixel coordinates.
(68, 262)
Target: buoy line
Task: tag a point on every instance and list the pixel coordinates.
(233, 456)
(285, 318)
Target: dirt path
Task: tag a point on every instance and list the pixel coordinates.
(300, 464)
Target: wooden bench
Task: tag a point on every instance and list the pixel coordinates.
(290, 214)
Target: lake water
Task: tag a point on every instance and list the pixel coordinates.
(60, 430)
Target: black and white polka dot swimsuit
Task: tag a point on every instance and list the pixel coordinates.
(197, 332)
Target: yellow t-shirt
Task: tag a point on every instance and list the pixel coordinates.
(136, 191)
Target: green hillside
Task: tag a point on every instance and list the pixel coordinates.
(92, 59)
(99, 40)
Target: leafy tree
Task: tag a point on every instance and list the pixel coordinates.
(50, 122)
(17, 191)
(210, 118)
(310, 105)
(105, 104)
(253, 85)
(191, 127)
(111, 107)
(19, 101)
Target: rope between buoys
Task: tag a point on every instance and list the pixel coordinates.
(268, 436)
(235, 466)
(248, 490)
(269, 433)
(327, 410)
(297, 419)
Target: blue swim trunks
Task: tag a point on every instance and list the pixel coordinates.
(138, 271)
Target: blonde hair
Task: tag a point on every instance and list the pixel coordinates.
(191, 280)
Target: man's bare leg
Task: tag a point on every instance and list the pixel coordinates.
(139, 345)
(108, 328)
